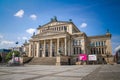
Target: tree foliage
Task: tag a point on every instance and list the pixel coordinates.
(10, 54)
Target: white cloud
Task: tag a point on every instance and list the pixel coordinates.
(83, 25)
(19, 14)
(4, 42)
(33, 17)
(1, 36)
(30, 30)
(24, 38)
(115, 43)
(117, 48)
(18, 38)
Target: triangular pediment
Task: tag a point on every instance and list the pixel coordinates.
(54, 23)
(48, 33)
(59, 26)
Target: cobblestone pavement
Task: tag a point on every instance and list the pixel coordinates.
(79, 72)
(105, 72)
(41, 72)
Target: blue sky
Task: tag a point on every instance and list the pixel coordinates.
(19, 18)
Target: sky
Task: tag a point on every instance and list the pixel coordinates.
(20, 18)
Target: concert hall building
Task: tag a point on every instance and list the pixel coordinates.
(64, 38)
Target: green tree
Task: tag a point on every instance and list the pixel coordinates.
(9, 55)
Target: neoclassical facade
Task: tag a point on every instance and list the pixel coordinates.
(63, 37)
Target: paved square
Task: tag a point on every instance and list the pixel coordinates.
(75, 72)
(42, 72)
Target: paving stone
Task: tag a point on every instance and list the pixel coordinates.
(46, 72)
(58, 78)
(16, 76)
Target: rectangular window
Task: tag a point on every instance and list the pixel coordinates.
(74, 50)
(104, 43)
(62, 27)
(77, 50)
(74, 42)
(102, 50)
(91, 44)
(96, 44)
(78, 42)
(99, 51)
(101, 43)
(91, 51)
(65, 28)
(80, 50)
(59, 28)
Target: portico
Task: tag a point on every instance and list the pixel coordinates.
(48, 47)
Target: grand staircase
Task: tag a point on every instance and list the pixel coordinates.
(43, 61)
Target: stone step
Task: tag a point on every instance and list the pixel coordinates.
(43, 61)
(27, 59)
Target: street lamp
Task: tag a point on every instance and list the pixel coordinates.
(13, 57)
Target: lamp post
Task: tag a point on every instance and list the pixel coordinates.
(13, 57)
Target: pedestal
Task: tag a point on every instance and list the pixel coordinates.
(58, 62)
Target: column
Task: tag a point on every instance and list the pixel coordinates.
(29, 55)
(69, 47)
(71, 50)
(51, 48)
(104, 50)
(65, 46)
(57, 46)
(101, 50)
(38, 49)
(44, 48)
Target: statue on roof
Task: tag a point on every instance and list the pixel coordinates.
(108, 33)
(34, 34)
(25, 41)
(70, 20)
(54, 19)
(39, 25)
